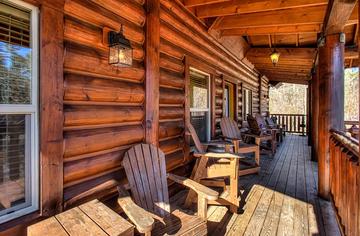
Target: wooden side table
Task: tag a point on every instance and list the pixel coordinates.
(91, 218)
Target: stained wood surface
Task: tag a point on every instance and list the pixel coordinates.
(281, 200)
(92, 218)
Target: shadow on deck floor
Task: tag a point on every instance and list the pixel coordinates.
(281, 200)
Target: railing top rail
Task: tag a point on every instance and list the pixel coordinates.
(288, 114)
(348, 142)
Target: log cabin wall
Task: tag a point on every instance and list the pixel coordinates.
(104, 106)
(264, 95)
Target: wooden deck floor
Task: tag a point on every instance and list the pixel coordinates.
(281, 200)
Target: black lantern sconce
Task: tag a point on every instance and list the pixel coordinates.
(120, 50)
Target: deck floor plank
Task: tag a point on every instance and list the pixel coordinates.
(280, 200)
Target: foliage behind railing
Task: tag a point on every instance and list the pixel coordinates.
(293, 123)
(345, 180)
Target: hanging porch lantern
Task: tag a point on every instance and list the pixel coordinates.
(274, 57)
(120, 50)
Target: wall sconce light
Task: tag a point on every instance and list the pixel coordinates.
(120, 50)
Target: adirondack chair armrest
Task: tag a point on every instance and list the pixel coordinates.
(200, 189)
(142, 219)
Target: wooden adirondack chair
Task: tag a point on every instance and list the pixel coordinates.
(261, 134)
(145, 169)
(271, 124)
(230, 131)
(214, 166)
(270, 129)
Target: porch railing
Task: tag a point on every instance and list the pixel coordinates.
(344, 180)
(293, 123)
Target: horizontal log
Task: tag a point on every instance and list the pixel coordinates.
(92, 187)
(177, 38)
(170, 96)
(190, 20)
(82, 142)
(80, 116)
(171, 64)
(172, 145)
(126, 9)
(99, 67)
(81, 88)
(98, 18)
(74, 171)
(167, 113)
(174, 160)
(170, 129)
(96, 192)
(171, 80)
(92, 37)
(170, 19)
(171, 50)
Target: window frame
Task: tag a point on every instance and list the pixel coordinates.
(246, 102)
(208, 110)
(32, 109)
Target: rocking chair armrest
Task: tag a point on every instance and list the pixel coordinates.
(200, 189)
(142, 219)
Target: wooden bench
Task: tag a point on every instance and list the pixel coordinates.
(91, 218)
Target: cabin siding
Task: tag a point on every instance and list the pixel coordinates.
(104, 106)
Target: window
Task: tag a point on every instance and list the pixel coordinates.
(229, 100)
(18, 109)
(199, 103)
(247, 103)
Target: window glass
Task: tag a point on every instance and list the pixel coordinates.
(199, 104)
(15, 55)
(18, 109)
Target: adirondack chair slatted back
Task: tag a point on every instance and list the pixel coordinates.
(260, 120)
(200, 148)
(229, 128)
(270, 122)
(145, 169)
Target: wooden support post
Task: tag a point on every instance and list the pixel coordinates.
(51, 106)
(314, 113)
(308, 110)
(331, 101)
(152, 63)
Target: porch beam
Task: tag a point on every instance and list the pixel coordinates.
(196, 3)
(278, 30)
(152, 63)
(294, 16)
(337, 15)
(331, 102)
(244, 7)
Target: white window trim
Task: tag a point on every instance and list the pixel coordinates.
(33, 110)
(209, 102)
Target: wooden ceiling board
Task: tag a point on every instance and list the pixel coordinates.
(244, 7)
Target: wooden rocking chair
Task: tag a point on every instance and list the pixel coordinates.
(145, 169)
(214, 166)
(261, 134)
(231, 132)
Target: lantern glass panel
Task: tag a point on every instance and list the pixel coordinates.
(125, 56)
(113, 55)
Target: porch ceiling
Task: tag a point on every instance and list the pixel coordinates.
(292, 26)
